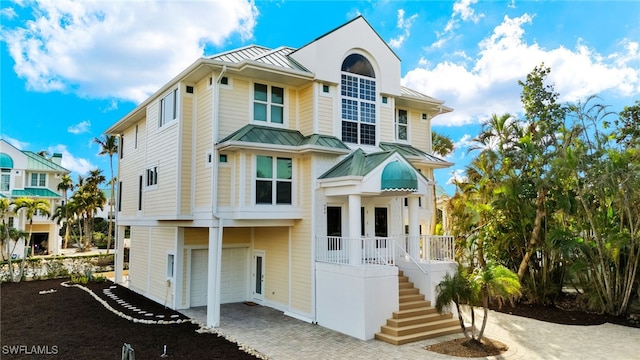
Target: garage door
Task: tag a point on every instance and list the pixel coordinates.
(235, 275)
(198, 289)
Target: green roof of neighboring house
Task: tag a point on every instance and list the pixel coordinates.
(37, 162)
(410, 151)
(286, 137)
(6, 162)
(34, 192)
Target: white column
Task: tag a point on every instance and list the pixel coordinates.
(355, 250)
(414, 228)
(119, 258)
(213, 276)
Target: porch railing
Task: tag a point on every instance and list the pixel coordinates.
(382, 251)
(355, 251)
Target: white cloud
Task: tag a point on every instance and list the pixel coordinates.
(8, 12)
(119, 49)
(462, 10)
(404, 25)
(20, 145)
(70, 162)
(488, 84)
(457, 175)
(79, 128)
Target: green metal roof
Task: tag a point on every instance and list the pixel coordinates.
(6, 162)
(356, 164)
(37, 162)
(397, 176)
(410, 151)
(286, 137)
(34, 192)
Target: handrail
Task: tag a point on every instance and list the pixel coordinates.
(406, 254)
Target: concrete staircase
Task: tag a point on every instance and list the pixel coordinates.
(416, 319)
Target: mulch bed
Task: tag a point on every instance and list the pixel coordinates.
(70, 324)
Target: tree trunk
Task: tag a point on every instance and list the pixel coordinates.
(485, 307)
(535, 233)
(464, 328)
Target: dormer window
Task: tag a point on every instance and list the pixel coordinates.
(358, 92)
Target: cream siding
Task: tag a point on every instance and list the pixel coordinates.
(386, 126)
(224, 185)
(139, 259)
(186, 167)
(131, 167)
(203, 143)
(161, 242)
(301, 242)
(235, 107)
(325, 115)
(419, 133)
(196, 236)
(275, 242)
(305, 110)
(236, 236)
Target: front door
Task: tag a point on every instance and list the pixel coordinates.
(257, 277)
(381, 226)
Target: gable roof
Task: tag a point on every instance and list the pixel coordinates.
(409, 151)
(278, 57)
(293, 139)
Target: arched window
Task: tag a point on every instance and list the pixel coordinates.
(358, 93)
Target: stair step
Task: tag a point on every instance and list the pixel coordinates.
(403, 279)
(414, 304)
(403, 314)
(420, 328)
(410, 297)
(408, 291)
(399, 340)
(420, 319)
(405, 285)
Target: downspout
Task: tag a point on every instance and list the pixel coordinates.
(214, 184)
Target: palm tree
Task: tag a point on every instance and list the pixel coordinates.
(109, 146)
(65, 185)
(5, 211)
(454, 289)
(15, 235)
(88, 199)
(30, 206)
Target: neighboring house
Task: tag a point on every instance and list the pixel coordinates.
(27, 174)
(299, 179)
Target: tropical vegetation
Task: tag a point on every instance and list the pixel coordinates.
(554, 196)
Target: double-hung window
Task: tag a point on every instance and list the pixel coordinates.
(5, 180)
(273, 180)
(152, 176)
(402, 125)
(358, 96)
(38, 180)
(268, 103)
(168, 108)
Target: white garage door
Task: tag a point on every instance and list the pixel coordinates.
(198, 292)
(235, 275)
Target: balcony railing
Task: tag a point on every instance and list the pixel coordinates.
(355, 251)
(381, 250)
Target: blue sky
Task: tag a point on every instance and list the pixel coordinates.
(72, 68)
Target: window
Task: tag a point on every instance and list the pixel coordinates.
(401, 125)
(189, 89)
(121, 146)
(170, 263)
(224, 80)
(424, 116)
(152, 176)
(135, 142)
(38, 180)
(268, 103)
(5, 180)
(10, 222)
(223, 158)
(140, 192)
(358, 91)
(119, 195)
(273, 180)
(168, 108)
(385, 100)
(325, 88)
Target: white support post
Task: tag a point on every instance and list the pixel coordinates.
(355, 251)
(119, 258)
(414, 228)
(213, 286)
